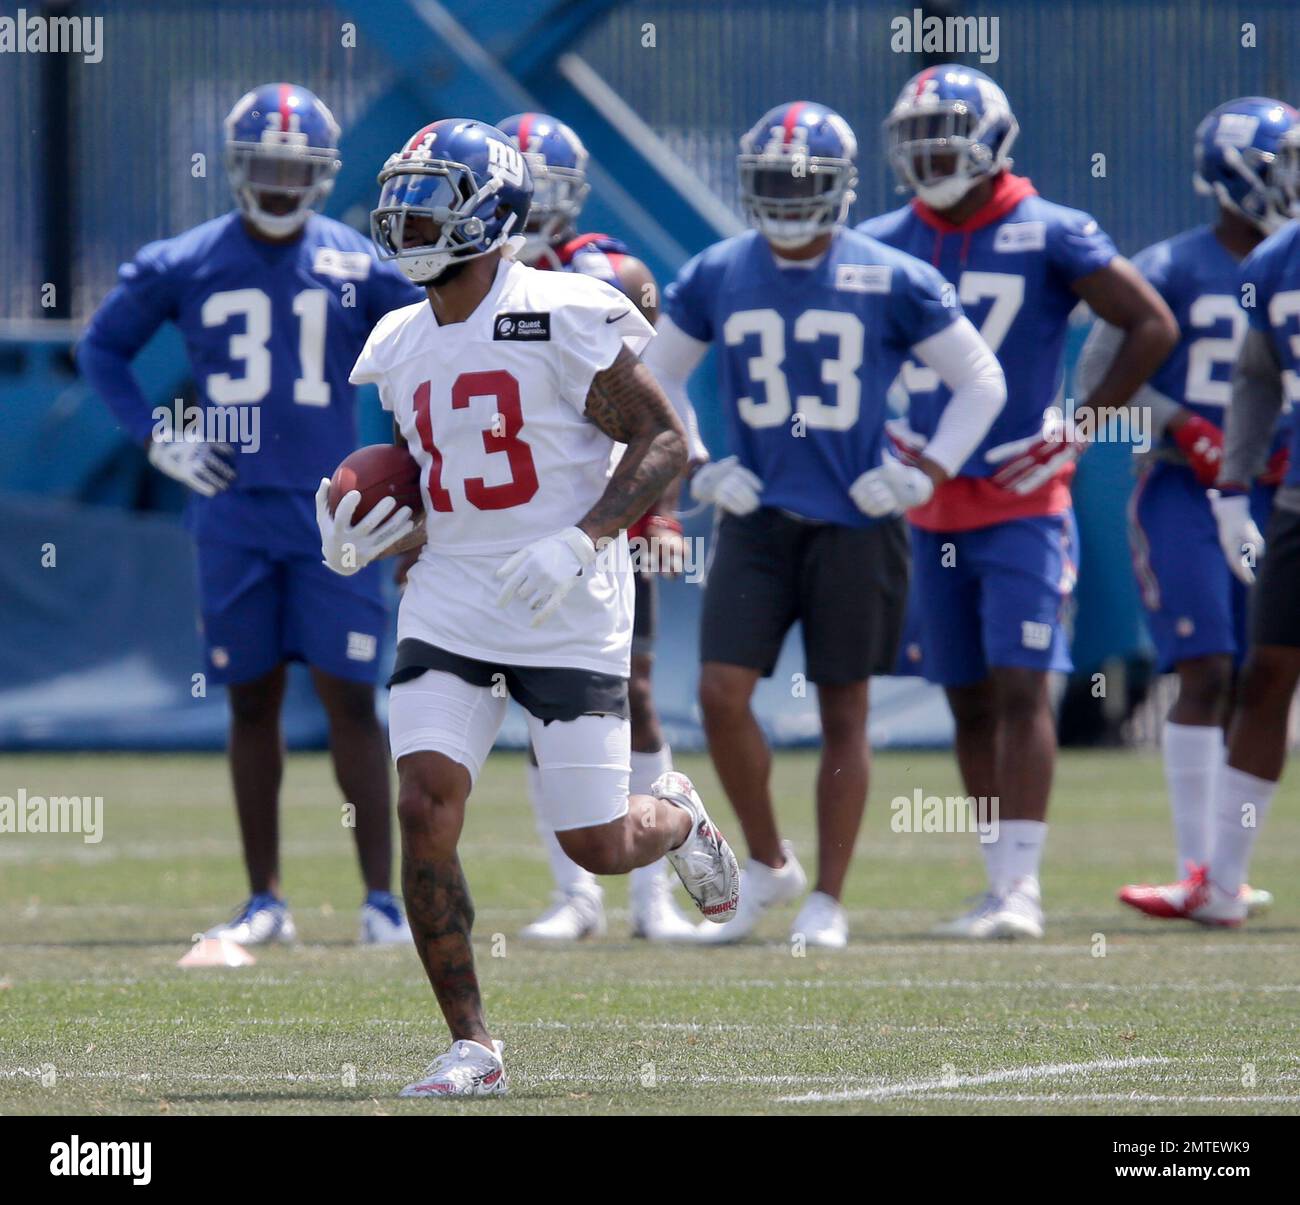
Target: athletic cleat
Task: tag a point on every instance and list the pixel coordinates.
(821, 922)
(262, 919)
(655, 915)
(1019, 913)
(1196, 898)
(1258, 901)
(382, 922)
(704, 861)
(571, 917)
(761, 888)
(467, 1069)
(973, 924)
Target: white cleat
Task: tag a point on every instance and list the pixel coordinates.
(655, 915)
(1020, 913)
(467, 1069)
(821, 922)
(704, 861)
(384, 926)
(260, 920)
(1258, 901)
(761, 888)
(973, 924)
(571, 917)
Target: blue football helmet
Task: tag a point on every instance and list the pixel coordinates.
(1237, 146)
(950, 127)
(281, 156)
(558, 163)
(1286, 172)
(467, 179)
(797, 173)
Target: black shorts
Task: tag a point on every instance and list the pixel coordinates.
(645, 616)
(558, 693)
(1275, 600)
(847, 586)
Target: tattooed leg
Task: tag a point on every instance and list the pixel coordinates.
(431, 810)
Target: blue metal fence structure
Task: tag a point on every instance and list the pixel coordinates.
(659, 89)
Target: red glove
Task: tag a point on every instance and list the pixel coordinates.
(1275, 471)
(906, 444)
(1029, 464)
(1202, 443)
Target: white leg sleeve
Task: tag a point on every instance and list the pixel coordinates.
(568, 875)
(441, 713)
(585, 766)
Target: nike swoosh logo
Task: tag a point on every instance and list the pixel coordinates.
(616, 317)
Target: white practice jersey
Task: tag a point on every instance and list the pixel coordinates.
(493, 409)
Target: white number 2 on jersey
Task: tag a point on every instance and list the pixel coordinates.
(839, 371)
(249, 346)
(1008, 293)
(1205, 353)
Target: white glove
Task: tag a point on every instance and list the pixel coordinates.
(347, 546)
(728, 484)
(1239, 538)
(890, 489)
(544, 572)
(201, 466)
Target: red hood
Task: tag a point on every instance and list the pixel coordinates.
(1008, 192)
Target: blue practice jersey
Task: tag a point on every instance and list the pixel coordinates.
(806, 357)
(272, 326)
(1272, 271)
(1013, 264)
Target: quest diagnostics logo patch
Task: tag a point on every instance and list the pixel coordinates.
(522, 328)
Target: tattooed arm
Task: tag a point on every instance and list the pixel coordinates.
(626, 403)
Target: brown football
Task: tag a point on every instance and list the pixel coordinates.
(378, 471)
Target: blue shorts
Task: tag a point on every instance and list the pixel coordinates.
(261, 609)
(1195, 606)
(994, 597)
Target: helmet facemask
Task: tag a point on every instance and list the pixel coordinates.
(939, 152)
(1267, 204)
(282, 166)
(1285, 177)
(559, 194)
(443, 192)
(791, 199)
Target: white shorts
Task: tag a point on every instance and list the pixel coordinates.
(585, 763)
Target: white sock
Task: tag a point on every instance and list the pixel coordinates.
(646, 767)
(1240, 805)
(568, 875)
(1022, 842)
(992, 851)
(1192, 756)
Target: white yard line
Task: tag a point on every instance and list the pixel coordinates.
(1012, 1075)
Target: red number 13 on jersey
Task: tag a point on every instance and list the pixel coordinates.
(502, 436)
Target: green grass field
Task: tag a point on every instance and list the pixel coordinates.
(95, 1016)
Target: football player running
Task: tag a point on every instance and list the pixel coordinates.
(1264, 380)
(1196, 607)
(513, 390)
(558, 162)
(274, 303)
(994, 549)
(811, 322)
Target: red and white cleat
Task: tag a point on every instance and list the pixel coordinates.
(704, 861)
(1196, 898)
(467, 1069)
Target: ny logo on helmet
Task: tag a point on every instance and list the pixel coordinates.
(505, 160)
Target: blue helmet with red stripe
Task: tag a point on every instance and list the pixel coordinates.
(950, 127)
(797, 173)
(456, 190)
(1236, 147)
(281, 156)
(558, 163)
